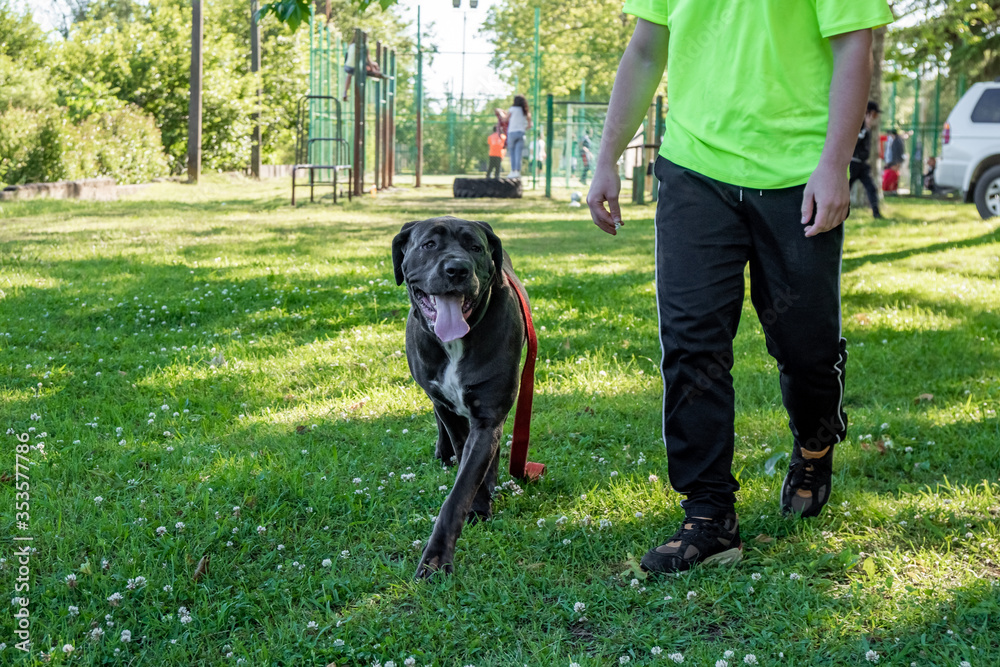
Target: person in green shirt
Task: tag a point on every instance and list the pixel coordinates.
(765, 100)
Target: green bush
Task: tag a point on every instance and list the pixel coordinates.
(31, 146)
(123, 144)
(43, 146)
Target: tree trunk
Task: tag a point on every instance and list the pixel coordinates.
(858, 197)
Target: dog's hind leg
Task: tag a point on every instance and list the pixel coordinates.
(444, 449)
(482, 505)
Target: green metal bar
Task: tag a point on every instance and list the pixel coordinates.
(534, 126)
(583, 89)
(937, 112)
(548, 146)
(892, 105)
(420, 107)
(312, 68)
(451, 136)
(916, 163)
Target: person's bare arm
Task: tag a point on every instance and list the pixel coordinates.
(827, 193)
(639, 74)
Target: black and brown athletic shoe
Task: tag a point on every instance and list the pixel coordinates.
(699, 540)
(807, 484)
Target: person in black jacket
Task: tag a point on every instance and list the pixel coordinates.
(859, 169)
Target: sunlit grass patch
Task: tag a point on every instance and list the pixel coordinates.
(209, 372)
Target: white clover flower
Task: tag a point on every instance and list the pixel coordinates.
(794, 576)
(728, 654)
(624, 660)
(345, 554)
(179, 526)
(260, 530)
(676, 657)
(67, 648)
(579, 607)
(73, 610)
(126, 636)
(115, 599)
(750, 659)
(567, 542)
(755, 576)
(721, 663)
(338, 642)
(98, 500)
(540, 522)
(312, 625)
(161, 531)
(327, 562)
(691, 594)
(634, 583)
(872, 656)
(96, 634)
(411, 661)
(656, 650)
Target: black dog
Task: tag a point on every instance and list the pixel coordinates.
(464, 336)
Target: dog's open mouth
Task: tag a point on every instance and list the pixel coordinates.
(447, 312)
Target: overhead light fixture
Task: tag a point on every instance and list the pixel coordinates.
(473, 3)
(456, 3)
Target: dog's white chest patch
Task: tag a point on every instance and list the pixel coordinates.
(451, 384)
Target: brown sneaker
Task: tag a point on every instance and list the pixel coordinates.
(699, 540)
(807, 485)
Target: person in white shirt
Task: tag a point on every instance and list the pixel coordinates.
(518, 124)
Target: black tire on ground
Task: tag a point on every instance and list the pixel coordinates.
(502, 188)
(987, 196)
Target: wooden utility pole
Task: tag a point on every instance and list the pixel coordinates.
(255, 69)
(194, 103)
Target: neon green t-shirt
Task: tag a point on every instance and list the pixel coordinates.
(748, 82)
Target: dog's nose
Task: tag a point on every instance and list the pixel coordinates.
(457, 270)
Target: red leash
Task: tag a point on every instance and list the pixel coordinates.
(520, 467)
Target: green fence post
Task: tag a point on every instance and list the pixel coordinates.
(654, 193)
(451, 137)
(548, 146)
(916, 161)
(937, 112)
(892, 106)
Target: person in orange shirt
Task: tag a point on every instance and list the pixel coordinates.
(496, 141)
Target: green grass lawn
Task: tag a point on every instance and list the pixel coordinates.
(215, 374)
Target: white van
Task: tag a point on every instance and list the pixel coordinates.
(970, 153)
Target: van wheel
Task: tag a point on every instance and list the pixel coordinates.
(988, 193)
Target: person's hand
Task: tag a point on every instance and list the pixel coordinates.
(605, 187)
(826, 200)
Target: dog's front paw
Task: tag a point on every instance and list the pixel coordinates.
(434, 560)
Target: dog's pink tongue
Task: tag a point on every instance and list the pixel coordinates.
(450, 324)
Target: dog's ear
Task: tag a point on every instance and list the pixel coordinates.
(398, 245)
(496, 248)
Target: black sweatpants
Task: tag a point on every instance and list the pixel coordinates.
(706, 233)
(494, 166)
(859, 171)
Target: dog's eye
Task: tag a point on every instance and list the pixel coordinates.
(476, 248)
(429, 245)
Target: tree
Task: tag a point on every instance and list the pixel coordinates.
(578, 41)
(953, 35)
(293, 13)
